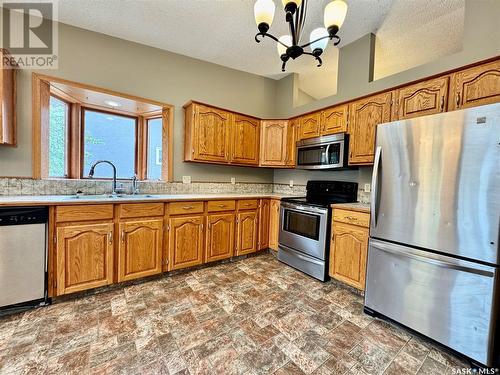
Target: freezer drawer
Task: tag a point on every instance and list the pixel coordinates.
(446, 299)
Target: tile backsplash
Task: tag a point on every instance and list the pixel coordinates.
(17, 186)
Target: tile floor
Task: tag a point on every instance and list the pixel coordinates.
(253, 316)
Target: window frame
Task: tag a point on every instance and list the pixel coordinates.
(146, 145)
(82, 141)
(67, 136)
(75, 94)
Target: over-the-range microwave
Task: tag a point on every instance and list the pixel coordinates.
(328, 152)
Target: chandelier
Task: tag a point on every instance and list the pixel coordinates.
(296, 12)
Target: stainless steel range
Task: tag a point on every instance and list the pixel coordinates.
(305, 226)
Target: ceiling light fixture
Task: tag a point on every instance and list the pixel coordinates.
(296, 11)
(112, 103)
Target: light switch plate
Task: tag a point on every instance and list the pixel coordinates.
(233, 180)
(291, 183)
(186, 179)
(368, 188)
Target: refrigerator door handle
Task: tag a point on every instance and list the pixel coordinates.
(373, 199)
(435, 259)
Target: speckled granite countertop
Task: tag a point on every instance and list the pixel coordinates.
(358, 206)
(48, 200)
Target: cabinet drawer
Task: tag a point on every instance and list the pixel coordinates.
(351, 217)
(141, 210)
(215, 206)
(179, 208)
(248, 204)
(84, 212)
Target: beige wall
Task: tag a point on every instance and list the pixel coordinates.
(135, 69)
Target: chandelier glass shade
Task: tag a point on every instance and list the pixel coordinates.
(295, 15)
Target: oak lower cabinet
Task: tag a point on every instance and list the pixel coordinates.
(264, 212)
(247, 231)
(475, 86)
(140, 249)
(186, 241)
(274, 223)
(220, 236)
(364, 116)
(84, 257)
(348, 251)
(424, 98)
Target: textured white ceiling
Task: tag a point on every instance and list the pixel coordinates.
(222, 32)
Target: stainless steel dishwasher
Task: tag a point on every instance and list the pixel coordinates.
(23, 257)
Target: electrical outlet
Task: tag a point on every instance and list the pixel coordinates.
(368, 188)
(233, 180)
(290, 183)
(186, 179)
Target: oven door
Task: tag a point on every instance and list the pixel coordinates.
(304, 228)
(321, 155)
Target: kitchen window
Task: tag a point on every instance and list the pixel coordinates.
(112, 137)
(75, 125)
(58, 137)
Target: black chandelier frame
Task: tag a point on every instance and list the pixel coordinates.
(296, 18)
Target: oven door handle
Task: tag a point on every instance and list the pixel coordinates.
(299, 208)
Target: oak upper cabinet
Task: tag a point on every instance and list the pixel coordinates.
(274, 223)
(245, 140)
(291, 143)
(264, 212)
(220, 236)
(334, 120)
(186, 241)
(424, 98)
(475, 86)
(310, 126)
(84, 256)
(140, 249)
(364, 116)
(207, 134)
(8, 131)
(247, 231)
(273, 151)
(349, 248)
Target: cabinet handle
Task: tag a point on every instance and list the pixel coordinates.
(110, 237)
(222, 205)
(123, 235)
(351, 218)
(442, 103)
(187, 207)
(458, 99)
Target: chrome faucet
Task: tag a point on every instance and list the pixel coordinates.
(135, 183)
(92, 168)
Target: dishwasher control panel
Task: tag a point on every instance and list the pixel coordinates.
(23, 215)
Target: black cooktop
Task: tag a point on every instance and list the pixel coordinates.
(324, 193)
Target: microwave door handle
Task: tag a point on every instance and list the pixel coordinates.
(373, 198)
(327, 153)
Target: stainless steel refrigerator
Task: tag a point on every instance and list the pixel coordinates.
(433, 259)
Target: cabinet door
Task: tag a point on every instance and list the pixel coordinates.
(348, 259)
(475, 86)
(264, 213)
(140, 249)
(274, 223)
(247, 232)
(291, 143)
(273, 143)
(245, 140)
(334, 120)
(211, 134)
(186, 241)
(8, 131)
(424, 98)
(220, 237)
(84, 257)
(365, 115)
(310, 126)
